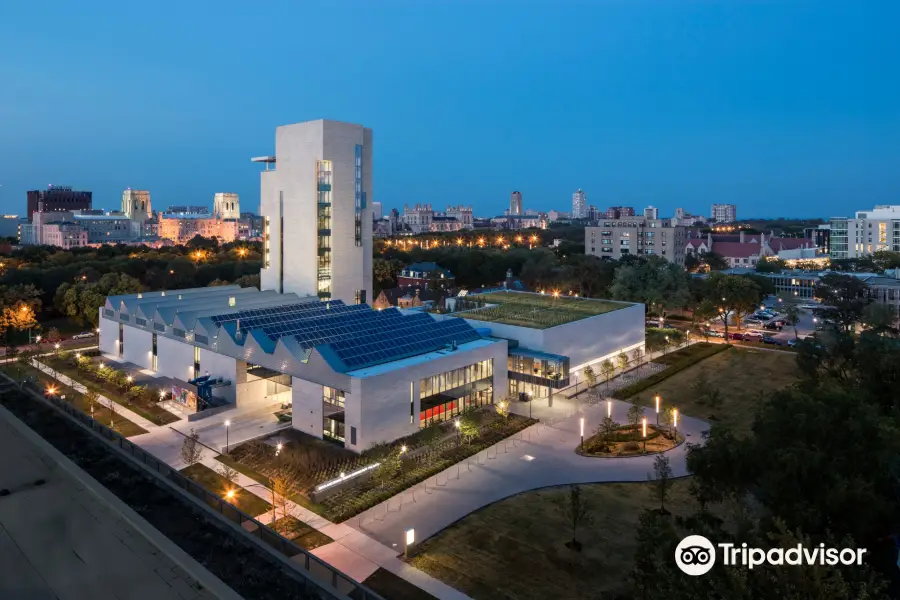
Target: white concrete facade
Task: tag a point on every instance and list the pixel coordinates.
(295, 227)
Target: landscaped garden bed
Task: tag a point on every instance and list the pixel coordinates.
(247, 569)
(112, 383)
(301, 533)
(676, 361)
(243, 499)
(627, 440)
(98, 410)
(309, 461)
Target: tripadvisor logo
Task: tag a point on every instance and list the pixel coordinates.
(696, 555)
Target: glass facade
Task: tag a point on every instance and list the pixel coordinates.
(840, 238)
(323, 219)
(444, 396)
(154, 364)
(359, 196)
(536, 376)
(333, 397)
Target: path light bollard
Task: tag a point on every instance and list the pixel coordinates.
(582, 435)
(644, 428)
(675, 425)
(657, 410)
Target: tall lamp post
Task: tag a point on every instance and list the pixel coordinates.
(582, 434)
(675, 424)
(227, 426)
(657, 410)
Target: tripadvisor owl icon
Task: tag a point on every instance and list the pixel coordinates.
(695, 555)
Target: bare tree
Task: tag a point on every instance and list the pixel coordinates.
(637, 355)
(191, 450)
(228, 473)
(91, 397)
(576, 510)
(284, 485)
(661, 480)
(607, 368)
(112, 413)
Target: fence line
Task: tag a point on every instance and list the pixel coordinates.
(249, 525)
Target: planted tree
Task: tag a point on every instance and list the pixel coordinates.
(661, 480)
(607, 368)
(576, 510)
(284, 485)
(502, 409)
(622, 360)
(637, 355)
(91, 397)
(228, 473)
(607, 431)
(589, 376)
(468, 430)
(635, 414)
(191, 450)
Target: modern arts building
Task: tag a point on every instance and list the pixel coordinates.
(352, 374)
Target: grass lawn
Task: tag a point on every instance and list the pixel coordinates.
(515, 549)
(101, 413)
(683, 353)
(264, 480)
(300, 533)
(743, 377)
(393, 587)
(248, 502)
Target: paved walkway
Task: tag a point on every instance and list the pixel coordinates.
(542, 455)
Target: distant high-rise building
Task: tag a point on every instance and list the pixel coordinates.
(515, 203)
(376, 211)
(318, 228)
(227, 205)
(57, 198)
(579, 205)
(724, 213)
(618, 212)
(651, 212)
(136, 204)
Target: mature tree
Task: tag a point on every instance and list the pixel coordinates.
(715, 262)
(384, 272)
(736, 296)
(191, 449)
(770, 264)
(659, 284)
(661, 481)
(577, 511)
(82, 300)
(705, 311)
(880, 318)
(844, 296)
(607, 368)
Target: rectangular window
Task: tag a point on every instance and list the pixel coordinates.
(359, 196)
(333, 397)
(140, 321)
(202, 339)
(266, 243)
(352, 436)
(178, 332)
(154, 364)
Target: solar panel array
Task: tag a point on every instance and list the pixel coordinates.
(359, 336)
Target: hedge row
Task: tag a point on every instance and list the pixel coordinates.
(639, 386)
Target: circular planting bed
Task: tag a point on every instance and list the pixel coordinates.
(628, 441)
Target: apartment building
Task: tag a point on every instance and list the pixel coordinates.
(615, 238)
(869, 231)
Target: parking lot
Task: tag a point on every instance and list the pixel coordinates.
(804, 326)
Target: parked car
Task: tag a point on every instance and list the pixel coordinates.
(735, 336)
(84, 335)
(775, 326)
(768, 339)
(809, 306)
(713, 333)
(793, 342)
(753, 336)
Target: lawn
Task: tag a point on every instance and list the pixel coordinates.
(743, 377)
(515, 549)
(300, 533)
(101, 413)
(248, 502)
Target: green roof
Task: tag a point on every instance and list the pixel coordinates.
(537, 311)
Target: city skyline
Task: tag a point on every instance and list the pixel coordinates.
(681, 106)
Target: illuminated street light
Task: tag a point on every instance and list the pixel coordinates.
(51, 390)
(644, 431)
(403, 449)
(229, 495)
(278, 448)
(609, 409)
(582, 433)
(410, 539)
(227, 426)
(657, 409)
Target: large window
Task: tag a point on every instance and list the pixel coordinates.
(323, 219)
(333, 397)
(359, 196)
(448, 394)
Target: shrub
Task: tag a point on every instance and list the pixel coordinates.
(631, 446)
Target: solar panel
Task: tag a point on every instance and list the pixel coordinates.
(358, 335)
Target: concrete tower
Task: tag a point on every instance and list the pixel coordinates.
(515, 203)
(317, 224)
(227, 205)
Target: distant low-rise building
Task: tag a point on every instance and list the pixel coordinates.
(181, 228)
(516, 222)
(66, 235)
(746, 249)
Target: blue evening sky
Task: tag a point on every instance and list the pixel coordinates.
(782, 107)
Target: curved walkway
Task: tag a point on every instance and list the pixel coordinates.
(542, 455)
